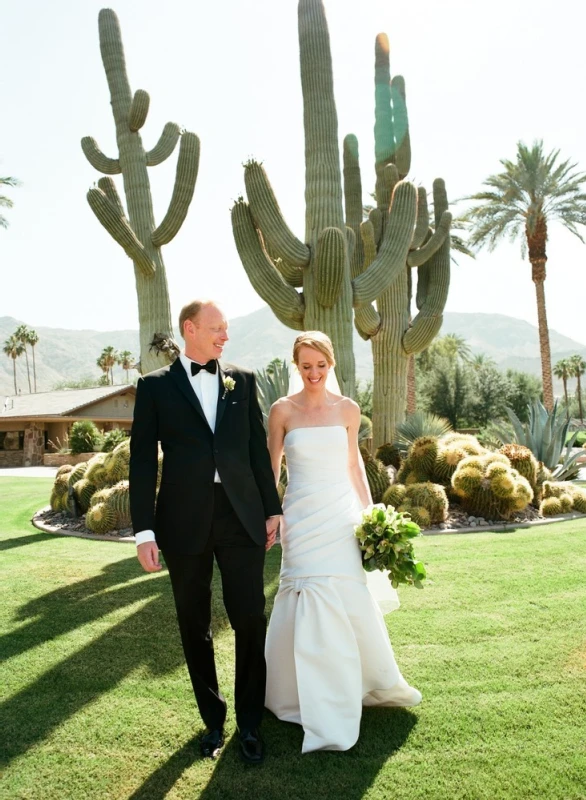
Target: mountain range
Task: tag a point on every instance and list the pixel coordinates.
(257, 338)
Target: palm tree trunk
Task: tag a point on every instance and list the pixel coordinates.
(538, 271)
(579, 392)
(566, 396)
(411, 386)
(28, 372)
(34, 368)
(14, 375)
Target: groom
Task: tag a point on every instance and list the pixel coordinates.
(217, 497)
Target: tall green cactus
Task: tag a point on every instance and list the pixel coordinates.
(394, 336)
(137, 234)
(277, 262)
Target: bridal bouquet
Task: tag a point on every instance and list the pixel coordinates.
(385, 540)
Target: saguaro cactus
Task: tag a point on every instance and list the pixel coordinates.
(137, 234)
(277, 262)
(393, 335)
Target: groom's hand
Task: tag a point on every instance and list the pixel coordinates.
(272, 528)
(148, 555)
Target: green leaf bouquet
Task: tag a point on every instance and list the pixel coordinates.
(385, 538)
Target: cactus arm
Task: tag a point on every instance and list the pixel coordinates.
(392, 255)
(389, 178)
(269, 218)
(367, 321)
(401, 125)
(375, 217)
(139, 108)
(418, 257)
(422, 224)
(165, 146)
(384, 133)
(353, 202)
(99, 161)
(433, 284)
(292, 275)
(350, 242)
(285, 302)
(329, 266)
(185, 178)
(108, 186)
(115, 222)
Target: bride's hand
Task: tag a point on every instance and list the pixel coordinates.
(272, 528)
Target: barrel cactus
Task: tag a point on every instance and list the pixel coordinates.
(77, 473)
(60, 492)
(100, 518)
(550, 507)
(84, 491)
(489, 486)
(137, 233)
(389, 455)
(429, 498)
(117, 463)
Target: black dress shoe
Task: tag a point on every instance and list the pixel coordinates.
(211, 743)
(252, 748)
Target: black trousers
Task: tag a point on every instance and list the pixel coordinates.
(241, 563)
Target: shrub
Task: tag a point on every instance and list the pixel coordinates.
(85, 437)
(113, 438)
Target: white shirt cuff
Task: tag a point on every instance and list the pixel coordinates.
(144, 536)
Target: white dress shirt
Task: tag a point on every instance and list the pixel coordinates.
(206, 387)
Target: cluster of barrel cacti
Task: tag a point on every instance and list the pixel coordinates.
(97, 488)
(432, 459)
(427, 503)
(488, 485)
(561, 497)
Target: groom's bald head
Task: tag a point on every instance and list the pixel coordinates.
(191, 311)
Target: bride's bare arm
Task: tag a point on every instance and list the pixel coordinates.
(276, 436)
(355, 462)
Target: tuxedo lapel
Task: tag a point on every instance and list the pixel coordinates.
(177, 372)
(222, 394)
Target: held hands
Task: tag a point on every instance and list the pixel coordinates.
(272, 528)
(148, 555)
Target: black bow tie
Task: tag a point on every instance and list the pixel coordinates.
(210, 367)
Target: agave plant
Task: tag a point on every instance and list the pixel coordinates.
(545, 434)
(271, 384)
(421, 423)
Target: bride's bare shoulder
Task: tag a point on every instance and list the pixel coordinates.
(282, 407)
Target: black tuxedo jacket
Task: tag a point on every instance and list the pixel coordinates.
(168, 411)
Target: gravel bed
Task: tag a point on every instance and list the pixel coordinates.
(59, 520)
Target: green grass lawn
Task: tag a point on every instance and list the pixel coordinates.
(96, 701)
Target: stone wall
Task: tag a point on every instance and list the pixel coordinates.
(34, 444)
(11, 458)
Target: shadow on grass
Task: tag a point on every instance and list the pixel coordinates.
(22, 541)
(33, 713)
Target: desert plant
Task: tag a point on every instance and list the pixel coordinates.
(137, 234)
(544, 435)
(427, 496)
(100, 518)
(365, 429)
(421, 423)
(277, 262)
(84, 437)
(13, 348)
(113, 438)
(271, 384)
(487, 485)
(389, 454)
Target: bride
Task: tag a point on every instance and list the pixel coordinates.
(327, 651)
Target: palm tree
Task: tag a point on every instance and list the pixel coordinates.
(6, 202)
(480, 361)
(13, 349)
(33, 339)
(563, 370)
(107, 360)
(126, 361)
(21, 333)
(105, 367)
(577, 369)
(521, 201)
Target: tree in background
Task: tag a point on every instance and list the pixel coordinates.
(33, 340)
(6, 202)
(450, 390)
(106, 362)
(525, 389)
(578, 367)
(521, 202)
(563, 369)
(22, 333)
(13, 349)
(126, 361)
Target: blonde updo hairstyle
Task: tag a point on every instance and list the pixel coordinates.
(317, 341)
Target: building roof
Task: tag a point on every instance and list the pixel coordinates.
(57, 404)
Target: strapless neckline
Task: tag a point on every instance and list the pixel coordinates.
(313, 427)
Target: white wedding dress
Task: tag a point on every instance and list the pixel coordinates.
(328, 651)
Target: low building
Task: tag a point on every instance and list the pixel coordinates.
(33, 424)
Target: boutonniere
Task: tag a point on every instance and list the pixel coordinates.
(229, 384)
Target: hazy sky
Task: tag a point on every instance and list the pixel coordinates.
(479, 77)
